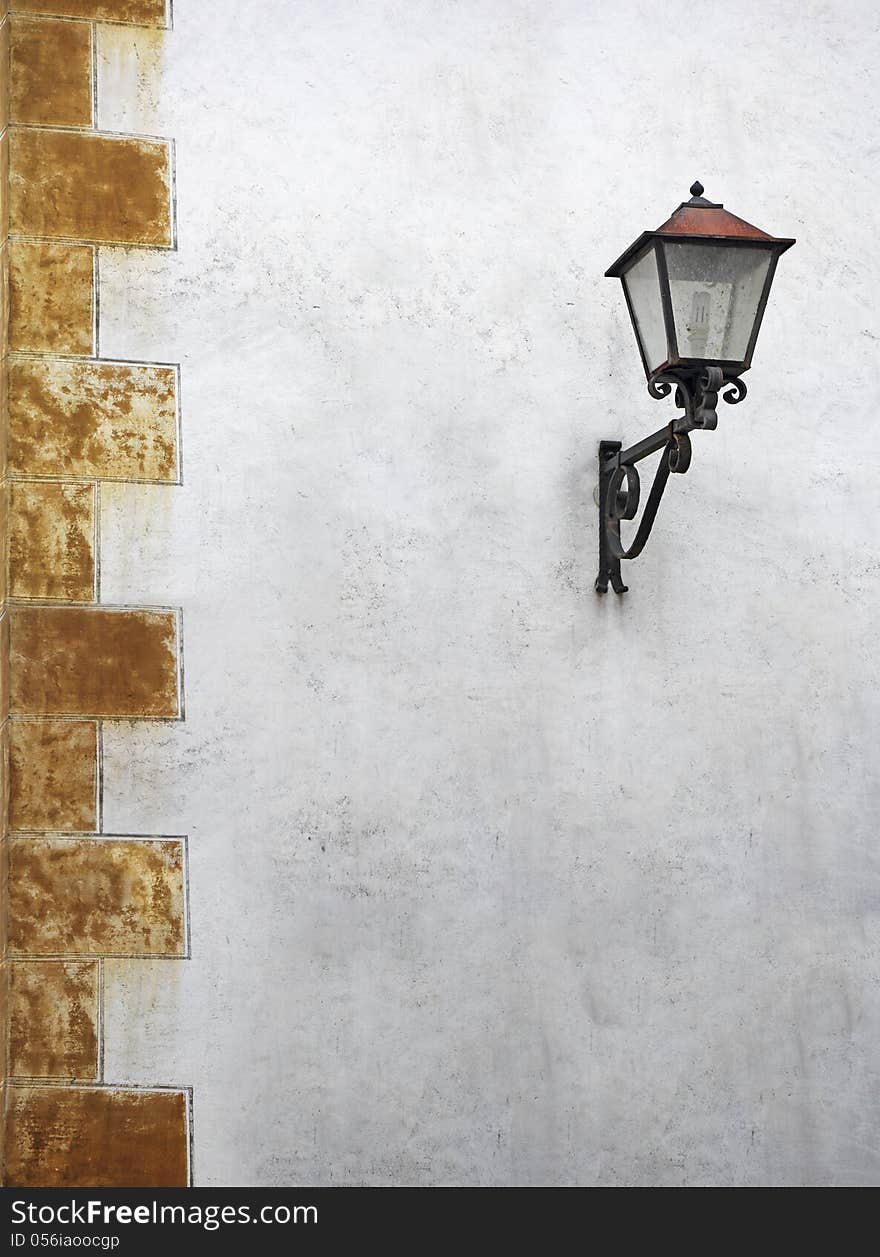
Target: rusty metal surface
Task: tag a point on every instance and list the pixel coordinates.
(91, 1136)
(697, 221)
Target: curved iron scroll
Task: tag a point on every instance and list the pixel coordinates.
(696, 393)
(623, 504)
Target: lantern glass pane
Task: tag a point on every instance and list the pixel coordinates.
(643, 289)
(715, 292)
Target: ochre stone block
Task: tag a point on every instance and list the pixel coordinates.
(50, 73)
(4, 662)
(53, 774)
(138, 12)
(4, 61)
(4, 801)
(53, 1019)
(4, 530)
(96, 897)
(4, 184)
(89, 187)
(51, 297)
(71, 661)
(103, 419)
(5, 967)
(52, 541)
(96, 1137)
(4, 312)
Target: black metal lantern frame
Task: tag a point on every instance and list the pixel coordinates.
(706, 236)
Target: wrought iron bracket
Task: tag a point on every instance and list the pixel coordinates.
(696, 393)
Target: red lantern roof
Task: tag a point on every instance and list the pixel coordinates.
(700, 219)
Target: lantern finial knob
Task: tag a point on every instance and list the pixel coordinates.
(697, 188)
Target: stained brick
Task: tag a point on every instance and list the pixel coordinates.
(138, 12)
(5, 967)
(53, 770)
(53, 1019)
(4, 184)
(50, 73)
(102, 419)
(4, 530)
(4, 311)
(4, 61)
(51, 297)
(52, 541)
(96, 897)
(93, 662)
(4, 663)
(89, 187)
(96, 1137)
(4, 802)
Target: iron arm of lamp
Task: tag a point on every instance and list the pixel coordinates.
(619, 489)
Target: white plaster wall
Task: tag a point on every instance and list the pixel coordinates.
(495, 882)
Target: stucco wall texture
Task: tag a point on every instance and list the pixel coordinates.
(493, 881)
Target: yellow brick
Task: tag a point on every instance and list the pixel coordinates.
(50, 73)
(53, 1019)
(71, 661)
(95, 1137)
(4, 55)
(53, 771)
(89, 187)
(102, 419)
(51, 297)
(138, 12)
(52, 541)
(96, 897)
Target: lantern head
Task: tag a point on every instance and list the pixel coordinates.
(696, 288)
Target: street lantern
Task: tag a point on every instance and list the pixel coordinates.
(696, 289)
